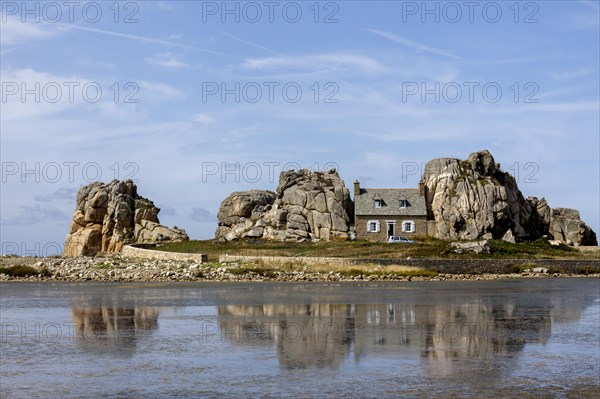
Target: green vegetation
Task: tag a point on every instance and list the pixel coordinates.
(423, 248)
(586, 270)
(538, 249)
(23, 271)
(522, 267)
(261, 271)
(105, 266)
(403, 273)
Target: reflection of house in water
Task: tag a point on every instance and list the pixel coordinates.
(113, 329)
(305, 335)
(449, 338)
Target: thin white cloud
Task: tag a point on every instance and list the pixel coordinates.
(51, 95)
(501, 61)
(157, 91)
(143, 39)
(62, 194)
(201, 215)
(316, 62)
(258, 46)
(166, 5)
(203, 118)
(15, 32)
(573, 74)
(167, 60)
(594, 5)
(414, 45)
(564, 107)
(35, 214)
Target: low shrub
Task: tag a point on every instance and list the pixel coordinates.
(23, 271)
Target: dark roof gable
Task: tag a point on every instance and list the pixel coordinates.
(365, 202)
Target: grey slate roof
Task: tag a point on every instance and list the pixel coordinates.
(364, 204)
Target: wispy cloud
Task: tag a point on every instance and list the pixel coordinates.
(317, 62)
(35, 214)
(167, 60)
(203, 118)
(563, 107)
(167, 211)
(414, 45)
(25, 109)
(594, 5)
(15, 32)
(249, 43)
(158, 91)
(201, 215)
(166, 5)
(62, 194)
(573, 74)
(143, 39)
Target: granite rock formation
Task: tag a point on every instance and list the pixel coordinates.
(567, 227)
(470, 199)
(108, 216)
(473, 198)
(478, 247)
(307, 206)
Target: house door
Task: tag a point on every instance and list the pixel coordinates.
(390, 229)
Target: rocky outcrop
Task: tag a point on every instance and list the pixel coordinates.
(477, 247)
(474, 199)
(108, 216)
(468, 199)
(566, 226)
(307, 206)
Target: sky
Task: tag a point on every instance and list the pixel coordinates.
(194, 100)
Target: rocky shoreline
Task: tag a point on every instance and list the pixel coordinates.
(116, 268)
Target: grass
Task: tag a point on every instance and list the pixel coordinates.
(538, 249)
(275, 268)
(23, 271)
(262, 271)
(424, 247)
(347, 249)
(520, 268)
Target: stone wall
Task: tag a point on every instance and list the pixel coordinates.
(308, 260)
(142, 253)
(446, 266)
(463, 266)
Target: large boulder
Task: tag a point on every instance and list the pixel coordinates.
(307, 206)
(108, 216)
(566, 226)
(239, 213)
(477, 247)
(473, 198)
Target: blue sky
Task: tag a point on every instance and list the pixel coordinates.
(195, 100)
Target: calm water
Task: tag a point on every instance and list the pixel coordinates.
(517, 338)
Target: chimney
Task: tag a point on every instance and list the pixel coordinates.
(356, 189)
(421, 188)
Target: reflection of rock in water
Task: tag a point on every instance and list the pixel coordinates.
(479, 338)
(453, 338)
(113, 329)
(305, 335)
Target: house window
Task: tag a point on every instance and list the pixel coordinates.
(403, 203)
(373, 226)
(378, 203)
(408, 226)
